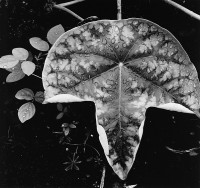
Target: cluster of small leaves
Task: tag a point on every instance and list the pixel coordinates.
(72, 163)
(27, 110)
(20, 63)
(65, 126)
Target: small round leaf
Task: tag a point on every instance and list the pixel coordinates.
(15, 76)
(20, 53)
(8, 61)
(28, 67)
(26, 111)
(54, 33)
(39, 96)
(59, 107)
(39, 44)
(26, 94)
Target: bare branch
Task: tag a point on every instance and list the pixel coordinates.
(70, 3)
(119, 10)
(36, 76)
(187, 11)
(68, 11)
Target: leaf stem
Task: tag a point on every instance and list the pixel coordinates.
(68, 11)
(37, 76)
(119, 10)
(70, 3)
(103, 177)
(187, 11)
(84, 145)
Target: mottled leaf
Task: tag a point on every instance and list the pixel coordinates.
(8, 61)
(124, 67)
(39, 96)
(26, 111)
(54, 33)
(28, 67)
(25, 94)
(20, 53)
(39, 44)
(15, 76)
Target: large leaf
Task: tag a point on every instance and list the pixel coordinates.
(26, 111)
(124, 66)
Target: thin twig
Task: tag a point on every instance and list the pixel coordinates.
(103, 177)
(119, 10)
(37, 76)
(187, 11)
(68, 11)
(70, 3)
(84, 145)
(183, 151)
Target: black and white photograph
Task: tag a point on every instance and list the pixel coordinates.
(99, 93)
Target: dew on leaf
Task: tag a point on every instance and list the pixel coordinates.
(153, 82)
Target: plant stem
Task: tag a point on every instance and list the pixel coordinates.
(68, 11)
(187, 11)
(103, 177)
(84, 145)
(37, 76)
(70, 3)
(119, 10)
